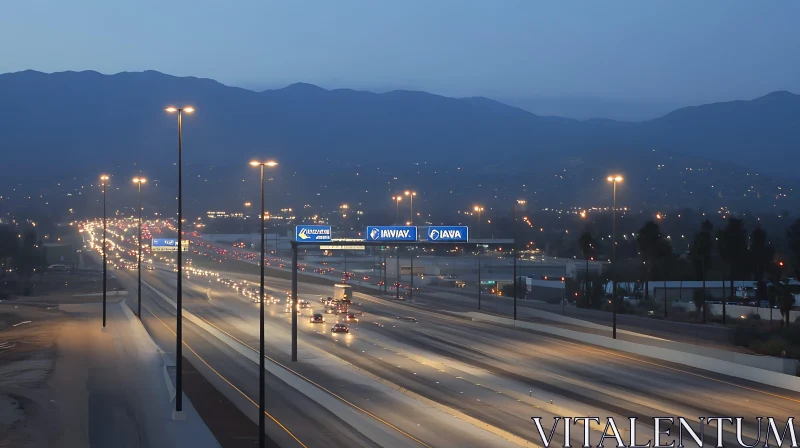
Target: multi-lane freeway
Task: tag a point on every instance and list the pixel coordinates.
(407, 376)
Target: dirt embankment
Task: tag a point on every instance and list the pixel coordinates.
(28, 334)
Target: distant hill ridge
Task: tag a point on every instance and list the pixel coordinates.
(79, 118)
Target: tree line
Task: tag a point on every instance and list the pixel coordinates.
(730, 250)
(22, 253)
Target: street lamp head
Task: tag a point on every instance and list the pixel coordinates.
(478, 209)
(173, 109)
(615, 178)
(139, 180)
(104, 177)
(269, 163)
(521, 201)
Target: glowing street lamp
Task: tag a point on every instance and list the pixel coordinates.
(478, 209)
(104, 182)
(514, 224)
(139, 181)
(614, 180)
(179, 287)
(411, 195)
(261, 398)
(397, 200)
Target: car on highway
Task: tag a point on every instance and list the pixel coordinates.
(150, 268)
(317, 318)
(340, 328)
(409, 319)
(256, 296)
(351, 317)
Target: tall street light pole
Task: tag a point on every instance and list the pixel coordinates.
(397, 200)
(516, 255)
(614, 180)
(179, 286)
(261, 400)
(139, 181)
(411, 195)
(103, 183)
(478, 209)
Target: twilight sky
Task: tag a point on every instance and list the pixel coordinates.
(660, 51)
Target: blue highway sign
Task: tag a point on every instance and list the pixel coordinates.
(391, 233)
(448, 234)
(167, 245)
(312, 234)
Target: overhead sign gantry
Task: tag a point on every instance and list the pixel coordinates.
(374, 236)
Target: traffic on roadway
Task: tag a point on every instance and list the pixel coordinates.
(419, 376)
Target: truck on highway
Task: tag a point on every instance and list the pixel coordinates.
(342, 293)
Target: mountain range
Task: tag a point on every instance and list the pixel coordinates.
(76, 124)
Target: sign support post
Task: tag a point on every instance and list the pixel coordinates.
(294, 301)
(411, 291)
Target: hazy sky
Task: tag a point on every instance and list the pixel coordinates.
(690, 51)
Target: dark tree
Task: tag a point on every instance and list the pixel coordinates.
(664, 259)
(649, 240)
(9, 247)
(732, 246)
(793, 235)
(700, 298)
(588, 246)
(700, 253)
(29, 254)
(785, 301)
(762, 254)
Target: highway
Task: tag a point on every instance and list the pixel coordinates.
(481, 373)
(466, 299)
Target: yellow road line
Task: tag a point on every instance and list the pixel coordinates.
(225, 379)
(320, 386)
